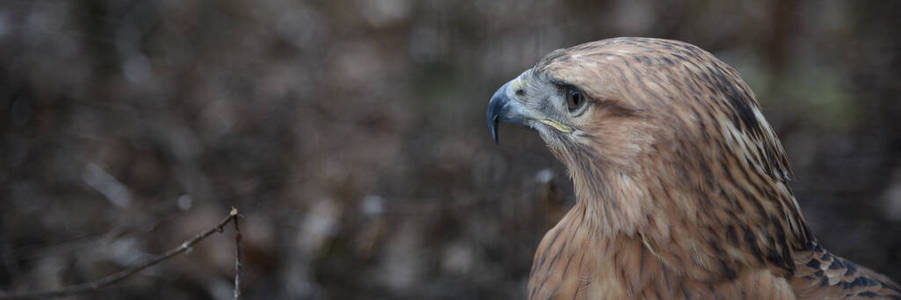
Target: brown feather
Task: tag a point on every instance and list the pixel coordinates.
(682, 185)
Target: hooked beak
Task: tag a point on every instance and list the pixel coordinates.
(503, 107)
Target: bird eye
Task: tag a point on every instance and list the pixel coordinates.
(574, 99)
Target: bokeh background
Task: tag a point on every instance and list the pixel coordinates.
(352, 136)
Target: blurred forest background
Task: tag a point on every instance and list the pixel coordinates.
(352, 136)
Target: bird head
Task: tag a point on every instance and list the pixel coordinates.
(578, 110)
(630, 115)
(617, 101)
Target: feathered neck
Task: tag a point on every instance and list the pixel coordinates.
(691, 211)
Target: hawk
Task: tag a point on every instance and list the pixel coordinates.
(682, 186)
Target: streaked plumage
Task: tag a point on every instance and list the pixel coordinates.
(681, 184)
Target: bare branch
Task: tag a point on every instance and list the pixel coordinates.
(237, 293)
(116, 277)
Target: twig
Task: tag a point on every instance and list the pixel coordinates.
(116, 277)
(237, 293)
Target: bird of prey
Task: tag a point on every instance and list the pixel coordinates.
(682, 186)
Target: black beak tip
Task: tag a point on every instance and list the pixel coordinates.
(492, 126)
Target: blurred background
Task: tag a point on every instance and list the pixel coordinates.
(352, 136)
